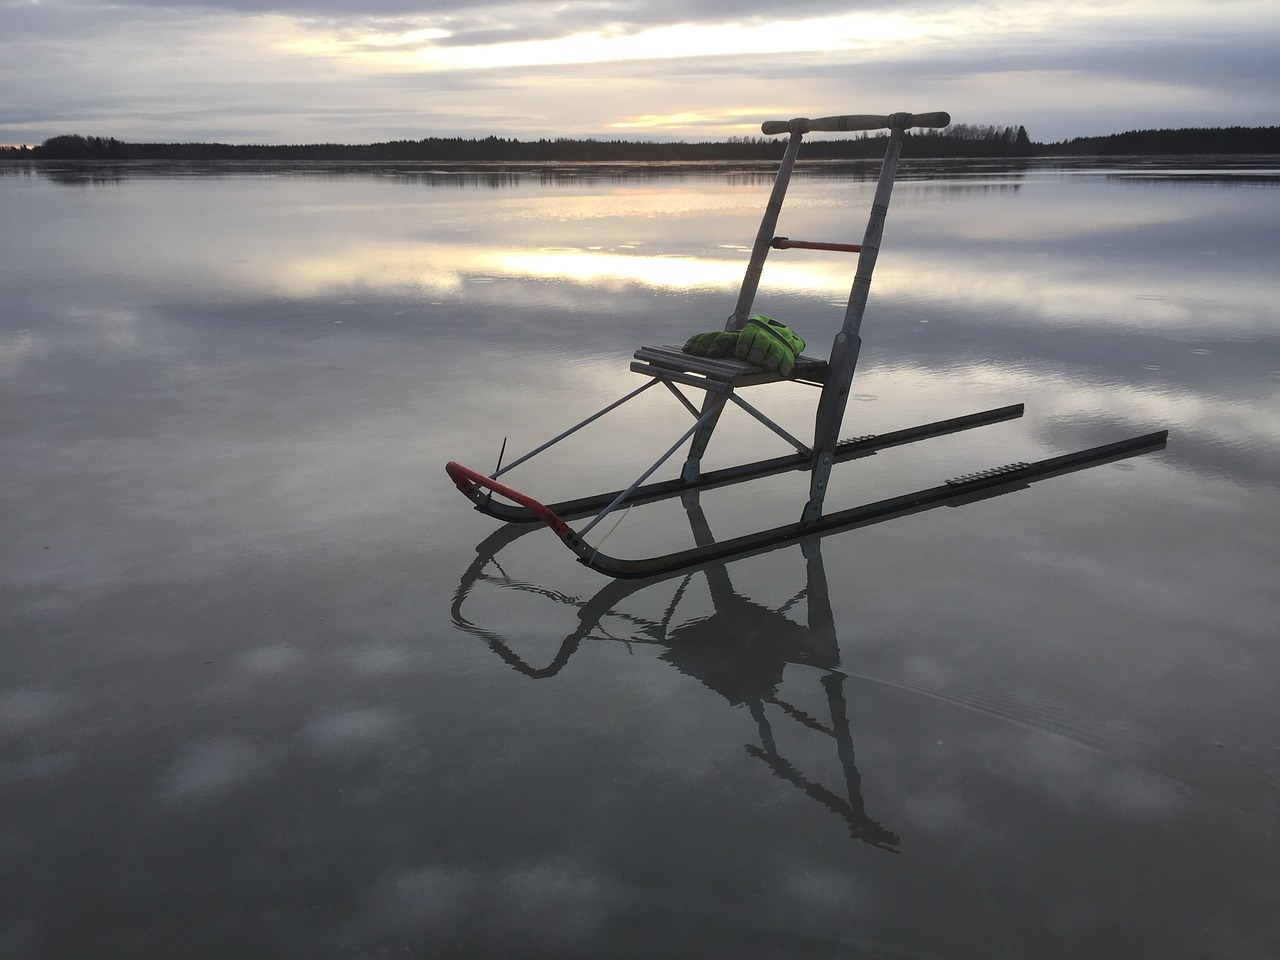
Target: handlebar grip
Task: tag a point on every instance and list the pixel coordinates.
(857, 121)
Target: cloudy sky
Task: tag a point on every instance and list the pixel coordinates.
(290, 71)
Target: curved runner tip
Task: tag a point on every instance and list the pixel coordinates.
(470, 482)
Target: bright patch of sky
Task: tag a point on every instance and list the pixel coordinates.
(420, 49)
(337, 70)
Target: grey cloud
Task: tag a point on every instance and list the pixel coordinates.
(1246, 57)
(574, 16)
(111, 72)
(468, 22)
(554, 903)
(61, 22)
(542, 23)
(212, 770)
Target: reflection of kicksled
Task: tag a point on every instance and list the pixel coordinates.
(740, 652)
(720, 380)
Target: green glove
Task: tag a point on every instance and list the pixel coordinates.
(719, 344)
(768, 344)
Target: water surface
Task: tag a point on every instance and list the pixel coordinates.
(270, 688)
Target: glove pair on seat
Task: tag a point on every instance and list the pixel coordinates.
(763, 341)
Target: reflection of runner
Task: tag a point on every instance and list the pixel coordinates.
(740, 652)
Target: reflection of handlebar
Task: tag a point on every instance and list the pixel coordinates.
(858, 121)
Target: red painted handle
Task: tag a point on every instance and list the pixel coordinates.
(466, 480)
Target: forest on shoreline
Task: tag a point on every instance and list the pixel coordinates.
(956, 141)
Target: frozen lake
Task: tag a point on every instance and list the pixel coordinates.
(269, 687)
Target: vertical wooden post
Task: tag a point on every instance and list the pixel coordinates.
(764, 236)
(747, 293)
(844, 351)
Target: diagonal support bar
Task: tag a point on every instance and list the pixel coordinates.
(574, 429)
(682, 398)
(715, 410)
(800, 447)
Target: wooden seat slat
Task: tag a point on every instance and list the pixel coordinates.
(667, 360)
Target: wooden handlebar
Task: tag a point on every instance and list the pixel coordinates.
(857, 121)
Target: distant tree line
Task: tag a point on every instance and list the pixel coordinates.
(960, 140)
(957, 140)
(1191, 140)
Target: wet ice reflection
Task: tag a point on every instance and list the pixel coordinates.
(260, 688)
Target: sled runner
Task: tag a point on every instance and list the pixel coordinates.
(720, 377)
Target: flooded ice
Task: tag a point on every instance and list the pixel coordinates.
(271, 687)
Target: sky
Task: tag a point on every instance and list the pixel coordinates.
(360, 71)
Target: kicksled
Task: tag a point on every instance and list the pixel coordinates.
(718, 380)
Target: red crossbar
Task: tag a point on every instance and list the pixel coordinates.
(786, 243)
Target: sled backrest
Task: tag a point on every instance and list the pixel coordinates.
(898, 123)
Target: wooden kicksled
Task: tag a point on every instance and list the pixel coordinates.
(720, 379)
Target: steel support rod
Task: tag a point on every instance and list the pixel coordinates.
(800, 447)
(682, 398)
(574, 429)
(648, 473)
